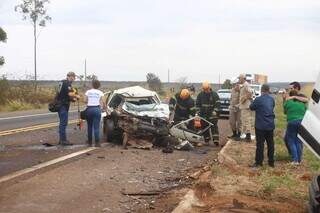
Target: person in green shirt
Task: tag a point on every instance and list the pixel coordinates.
(295, 110)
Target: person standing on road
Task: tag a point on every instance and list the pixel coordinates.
(208, 108)
(234, 118)
(264, 125)
(182, 105)
(295, 110)
(66, 94)
(246, 113)
(94, 100)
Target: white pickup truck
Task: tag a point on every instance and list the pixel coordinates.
(309, 133)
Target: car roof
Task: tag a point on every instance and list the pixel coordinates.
(135, 92)
(224, 90)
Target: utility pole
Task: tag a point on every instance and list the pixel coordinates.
(85, 72)
(219, 81)
(168, 75)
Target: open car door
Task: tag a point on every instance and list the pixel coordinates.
(309, 131)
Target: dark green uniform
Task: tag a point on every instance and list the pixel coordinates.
(182, 108)
(207, 106)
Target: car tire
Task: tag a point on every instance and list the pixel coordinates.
(314, 205)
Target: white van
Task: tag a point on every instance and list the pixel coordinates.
(309, 133)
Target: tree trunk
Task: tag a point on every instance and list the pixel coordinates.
(35, 55)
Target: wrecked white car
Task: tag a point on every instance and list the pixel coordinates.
(135, 112)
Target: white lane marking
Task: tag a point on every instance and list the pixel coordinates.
(34, 115)
(43, 165)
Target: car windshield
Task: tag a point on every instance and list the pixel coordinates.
(224, 94)
(256, 88)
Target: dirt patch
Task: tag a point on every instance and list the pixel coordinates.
(232, 186)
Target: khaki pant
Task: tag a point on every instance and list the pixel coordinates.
(246, 121)
(234, 120)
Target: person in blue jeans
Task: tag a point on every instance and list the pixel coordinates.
(295, 110)
(65, 95)
(94, 100)
(298, 96)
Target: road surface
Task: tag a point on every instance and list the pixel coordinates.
(92, 182)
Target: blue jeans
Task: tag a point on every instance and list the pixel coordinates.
(93, 121)
(294, 142)
(63, 117)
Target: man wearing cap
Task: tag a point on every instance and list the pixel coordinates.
(207, 106)
(246, 113)
(182, 105)
(234, 118)
(66, 94)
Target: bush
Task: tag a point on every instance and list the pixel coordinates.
(23, 96)
(4, 90)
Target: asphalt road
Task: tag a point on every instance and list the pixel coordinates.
(16, 120)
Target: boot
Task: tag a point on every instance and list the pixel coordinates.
(237, 137)
(98, 144)
(233, 135)
(248, 137)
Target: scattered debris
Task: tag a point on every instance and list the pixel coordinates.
(148, 193)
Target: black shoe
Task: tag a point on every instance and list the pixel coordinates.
(98, 144)
(233, 135)
(89, 144)
(237, 138)
(248, 138)
(255, 166)
(65, 143)
(271, 164)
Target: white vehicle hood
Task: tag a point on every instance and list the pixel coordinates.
(135, 91)
(150, 110)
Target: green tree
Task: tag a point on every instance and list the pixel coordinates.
(36, 12)
(227, 84)
(154, 82)
(3, 38)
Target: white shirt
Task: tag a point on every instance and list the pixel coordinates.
(94, 96)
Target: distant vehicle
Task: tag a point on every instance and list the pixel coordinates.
(256, 90)
(282, 91)
(310, 135)
(225, 96)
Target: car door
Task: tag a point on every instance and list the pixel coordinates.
(309, 131)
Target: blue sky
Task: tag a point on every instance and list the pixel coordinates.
(123, 40)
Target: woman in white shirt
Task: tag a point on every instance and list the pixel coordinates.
(94, 101)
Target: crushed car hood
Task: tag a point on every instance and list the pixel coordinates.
(150, 110)
(136, 92)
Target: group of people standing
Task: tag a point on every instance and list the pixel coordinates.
(241, 117)
(183, 105)
(243, 108)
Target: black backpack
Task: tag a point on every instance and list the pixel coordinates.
(55, 105)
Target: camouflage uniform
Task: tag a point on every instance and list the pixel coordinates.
(246, 113)
(234, 119)
(207, 105)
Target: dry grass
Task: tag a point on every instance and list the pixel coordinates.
(283, 184)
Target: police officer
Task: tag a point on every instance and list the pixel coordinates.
(207, 105)
(246, 113)
(182, 105)
(66, 94)
(234, 118)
